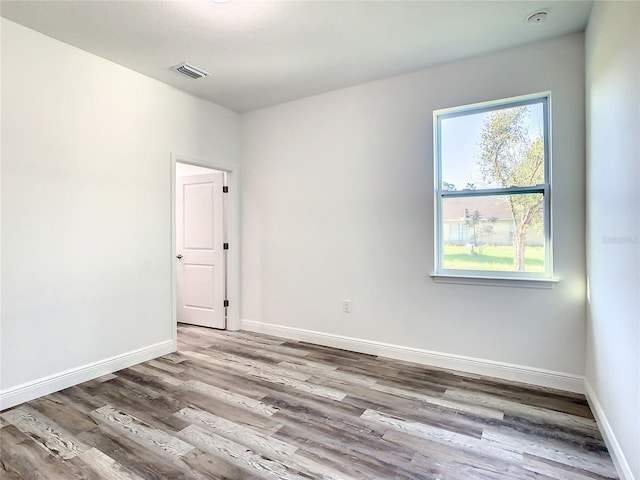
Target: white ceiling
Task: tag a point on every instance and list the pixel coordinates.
(262, 53)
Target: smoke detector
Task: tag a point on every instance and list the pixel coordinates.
(190, 71)
(537, 17)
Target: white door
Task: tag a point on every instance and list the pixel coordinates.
(200, 269)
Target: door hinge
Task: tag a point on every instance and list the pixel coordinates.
(226, 303)
(225, 189)
(225, 246)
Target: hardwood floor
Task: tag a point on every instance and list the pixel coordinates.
(237, 405)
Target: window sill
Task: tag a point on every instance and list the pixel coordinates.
(545, 283)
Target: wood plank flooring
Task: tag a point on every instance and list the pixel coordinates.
(237, 405)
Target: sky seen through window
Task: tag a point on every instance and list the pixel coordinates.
(460, 140)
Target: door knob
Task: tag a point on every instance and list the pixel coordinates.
(179, 257)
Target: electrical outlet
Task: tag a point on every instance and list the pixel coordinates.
(346, 306)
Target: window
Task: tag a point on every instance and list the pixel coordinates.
(492, 189)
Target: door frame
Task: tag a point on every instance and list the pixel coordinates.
(232, 224)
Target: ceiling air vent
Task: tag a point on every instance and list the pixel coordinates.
(190, 71)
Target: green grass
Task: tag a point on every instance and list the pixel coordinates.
(491, 257)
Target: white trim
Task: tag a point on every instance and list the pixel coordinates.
(492, 104)
(173, 326)
(617, 455)
(477, 366)
(44, 386)
(494, 281)
(233, 237)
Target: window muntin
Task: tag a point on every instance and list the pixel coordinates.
(492, 174)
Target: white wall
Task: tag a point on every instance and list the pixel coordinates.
(86, 201)
(613, 233)
(338, 204)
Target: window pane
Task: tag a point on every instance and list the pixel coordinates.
(498, 148)
(499, 233)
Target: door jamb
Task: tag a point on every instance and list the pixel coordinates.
(233, 236)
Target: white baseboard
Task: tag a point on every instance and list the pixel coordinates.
(477, 366)
(53, 383)
(617, 455)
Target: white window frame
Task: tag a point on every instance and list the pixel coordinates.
(452, 275)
